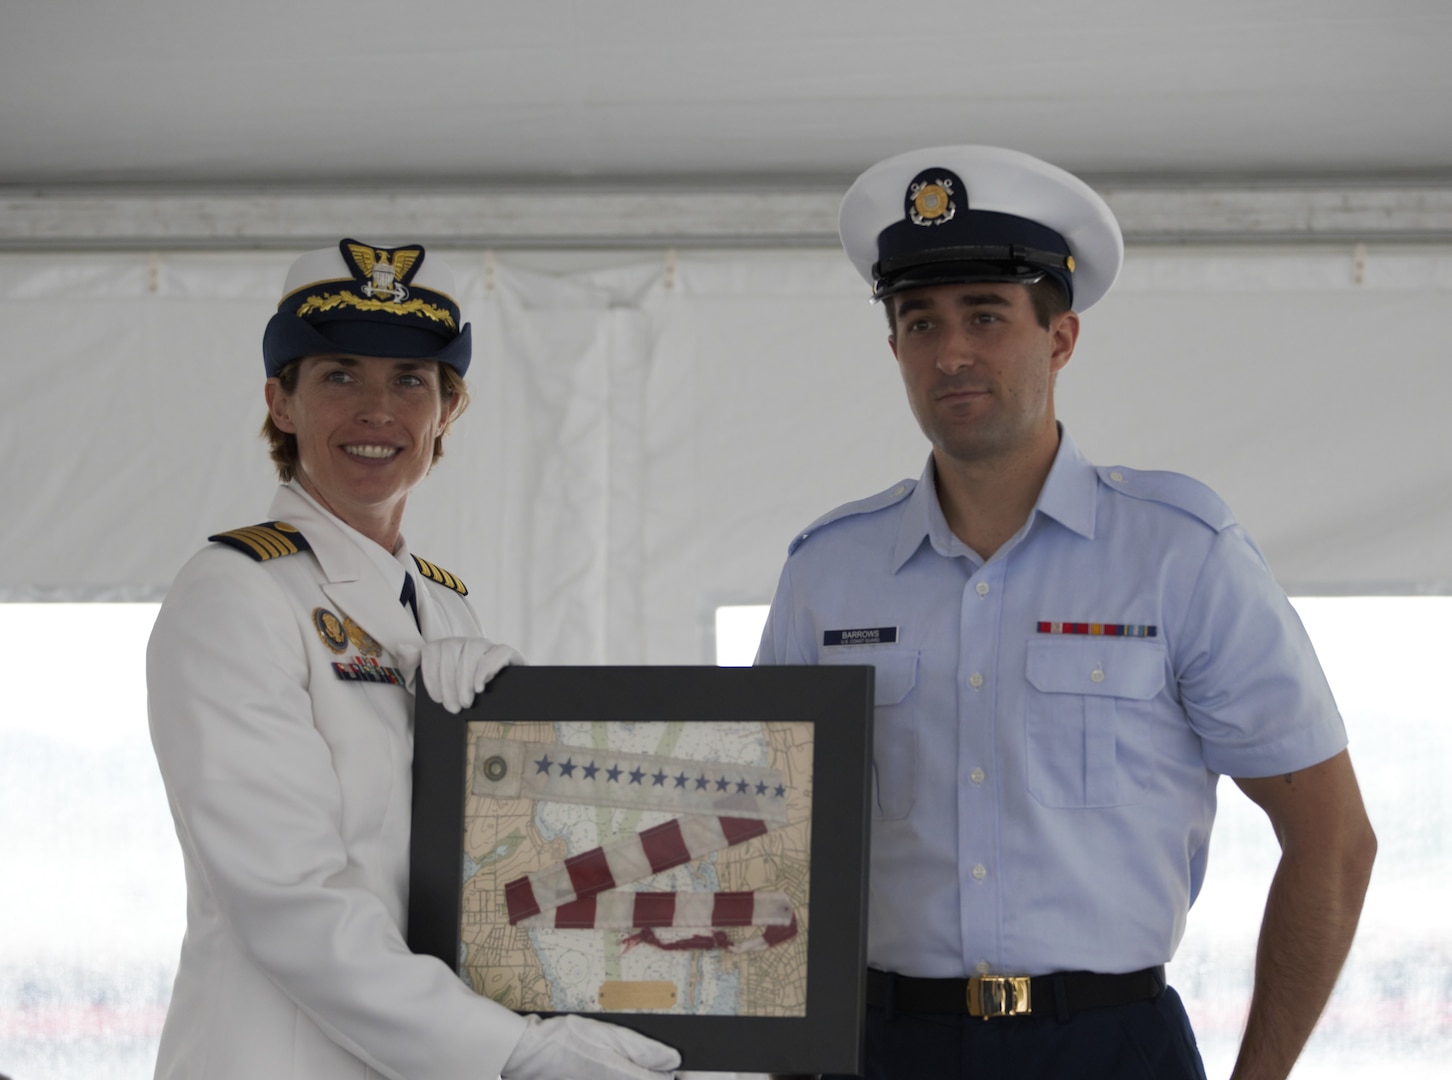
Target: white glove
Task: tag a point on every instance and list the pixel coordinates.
(456, 668)
(578, 1048)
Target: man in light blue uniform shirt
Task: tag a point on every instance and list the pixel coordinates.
(1068, 657)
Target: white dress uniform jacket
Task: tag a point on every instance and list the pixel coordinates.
(290, 785)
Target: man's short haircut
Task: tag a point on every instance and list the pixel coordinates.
(283, 444)
(1046, 295)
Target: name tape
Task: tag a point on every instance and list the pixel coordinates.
(873, 635)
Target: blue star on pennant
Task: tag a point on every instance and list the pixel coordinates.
(543, 765)
(702, 783)
(658, 779)
(567, 768)
(761, 789)
(722, 784)
(612, 773)
(637, 774)
(590, 770)
(741, 786)
(680, 780)
(780, 792)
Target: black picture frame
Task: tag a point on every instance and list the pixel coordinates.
(837, 700)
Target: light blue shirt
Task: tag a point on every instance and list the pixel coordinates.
(1043, 799)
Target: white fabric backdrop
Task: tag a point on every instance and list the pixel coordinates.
(647, 433)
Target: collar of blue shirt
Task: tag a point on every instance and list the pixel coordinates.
(1068, 496)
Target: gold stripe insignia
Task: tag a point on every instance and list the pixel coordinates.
(442, 576)
(270, 540)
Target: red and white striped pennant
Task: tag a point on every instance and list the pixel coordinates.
(577, 893)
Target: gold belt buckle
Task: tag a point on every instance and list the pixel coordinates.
(999, 995)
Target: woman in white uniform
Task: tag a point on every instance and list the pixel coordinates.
(280, 679)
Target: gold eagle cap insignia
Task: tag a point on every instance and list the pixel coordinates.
(365, 258)
(384, 272)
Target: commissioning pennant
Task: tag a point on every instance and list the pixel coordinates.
(600, 856)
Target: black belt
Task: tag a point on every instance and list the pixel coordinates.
(988, 996)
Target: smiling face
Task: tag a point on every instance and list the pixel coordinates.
(979, 369)
(366, 428)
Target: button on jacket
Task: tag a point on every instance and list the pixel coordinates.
(290, 782)
(1051, 724)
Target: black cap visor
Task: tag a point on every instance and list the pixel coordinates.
(957, 272)
(288, 338)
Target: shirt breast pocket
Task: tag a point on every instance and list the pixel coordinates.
(1088, 724)
(894, 726)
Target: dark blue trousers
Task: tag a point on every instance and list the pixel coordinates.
(1144, 1040)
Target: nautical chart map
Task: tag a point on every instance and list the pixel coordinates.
(687, 884)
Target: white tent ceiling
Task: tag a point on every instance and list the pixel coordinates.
(346, 91)
(569, 123)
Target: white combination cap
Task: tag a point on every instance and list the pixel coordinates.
(979, 213)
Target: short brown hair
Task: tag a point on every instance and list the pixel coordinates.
(283, 444)
(1046, 295)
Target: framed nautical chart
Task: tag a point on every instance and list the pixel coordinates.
(680, 850)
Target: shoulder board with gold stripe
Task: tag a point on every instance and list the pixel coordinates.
(270, 540)
(442, 576)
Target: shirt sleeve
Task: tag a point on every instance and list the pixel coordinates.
(1248, 676)
(776, 639)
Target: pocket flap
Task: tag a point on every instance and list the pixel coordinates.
(1105, 667)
